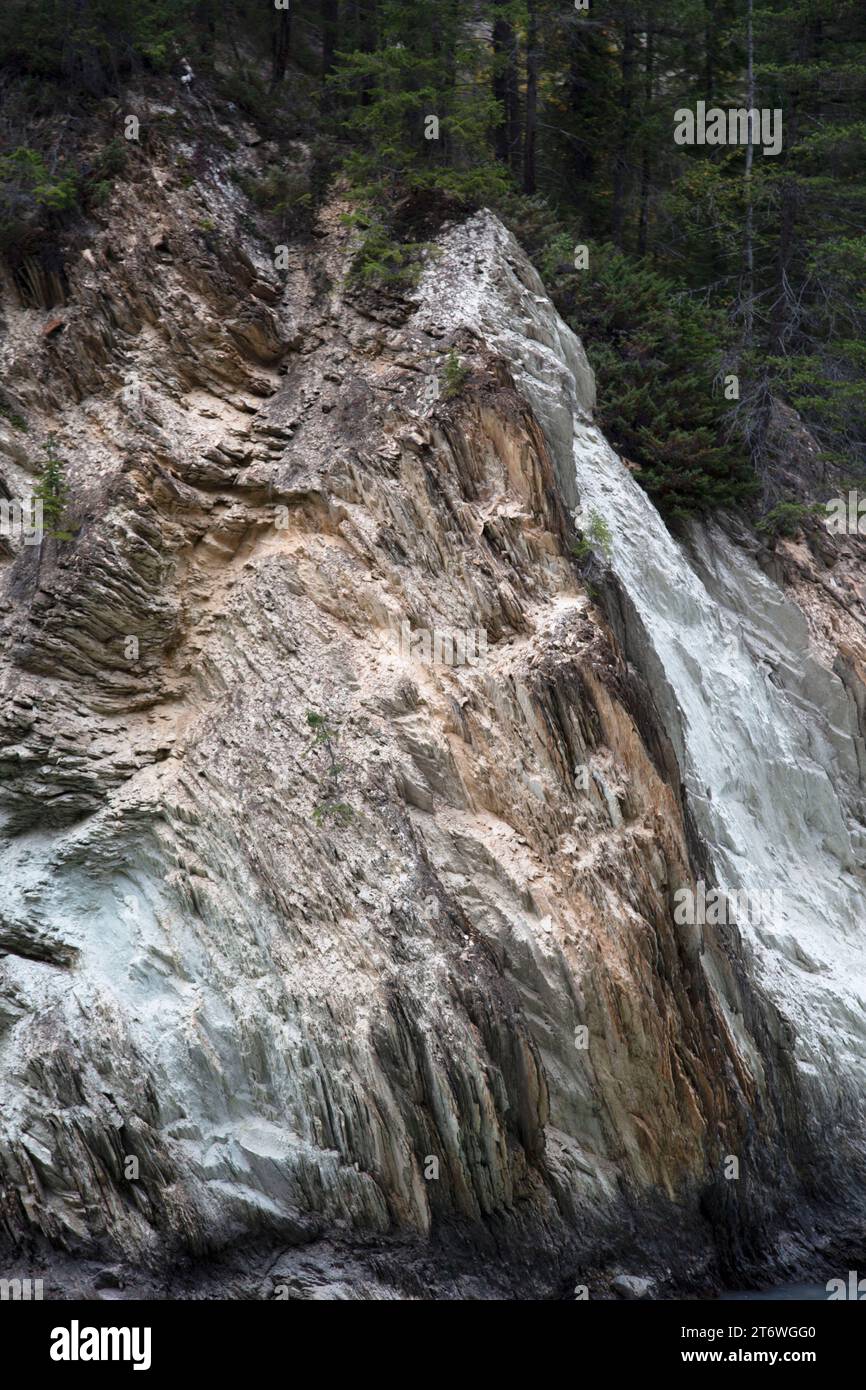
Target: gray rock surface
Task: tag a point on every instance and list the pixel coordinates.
(420, 1027)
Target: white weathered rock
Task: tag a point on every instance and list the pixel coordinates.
(632, 1287)
(228, 1013)
(768, 739)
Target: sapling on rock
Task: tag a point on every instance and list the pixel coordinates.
(455, 375)
(52, 492)
(596, 537)
(329, 807)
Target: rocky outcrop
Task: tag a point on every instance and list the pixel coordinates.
(343, 824)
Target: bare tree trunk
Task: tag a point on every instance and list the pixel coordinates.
(646, 158)
(229, 26)
(330, 30)
(505, 90)
(369, 22)
(514, 131)
(709, 50)
(807, 54)
(205, 26)
(583, 155)
(530, 129)
(281, 45)
(749, 249)
(621, 158)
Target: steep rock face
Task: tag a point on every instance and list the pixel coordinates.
(759, 688)
(246, 997)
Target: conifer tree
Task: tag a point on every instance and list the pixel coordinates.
(53, 494)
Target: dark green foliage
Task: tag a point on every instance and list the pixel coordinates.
(30, 192)
(330, 808)
(381, 258)
(15, 420)
(811, 246)
(454, 376)
(248, 90)
(284, 193)
(89, 47)
(787, 518)
(596, 539)
(563, 120)
(113, 160)
(415, 124)
(413, 120)
(540, 230)
(52, 491)
(656, 351)
(794, 326)
(39, 192)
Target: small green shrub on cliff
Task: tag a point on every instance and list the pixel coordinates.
(454, 376)
(30, 191)
(15, 420)
(786, 518)
(380, 259)
(113, 160)
(284, 193)
(248, 91)
(597, 537)
(329, 808)
(52, 491)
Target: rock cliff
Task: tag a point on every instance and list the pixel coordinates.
(335, 964)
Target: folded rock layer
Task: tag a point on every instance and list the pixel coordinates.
(318, 940)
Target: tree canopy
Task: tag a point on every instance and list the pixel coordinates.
(706, 278)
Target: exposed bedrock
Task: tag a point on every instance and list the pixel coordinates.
(311, 943)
